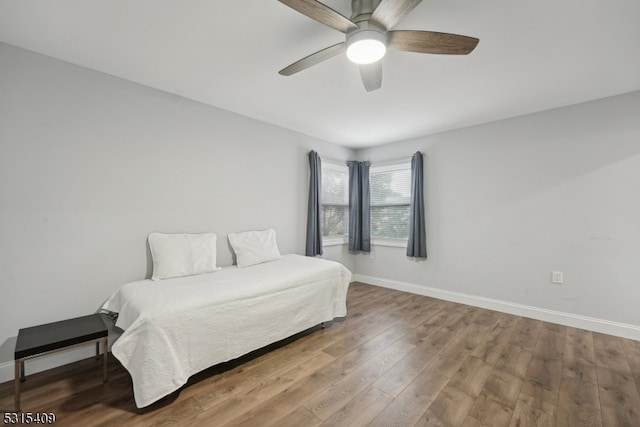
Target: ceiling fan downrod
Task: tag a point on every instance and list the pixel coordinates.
(361, 10)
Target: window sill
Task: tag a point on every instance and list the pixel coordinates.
(334, 241)
(394, 243)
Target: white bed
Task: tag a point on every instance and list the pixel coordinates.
(175, 328)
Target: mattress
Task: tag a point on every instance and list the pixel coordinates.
(175, 328)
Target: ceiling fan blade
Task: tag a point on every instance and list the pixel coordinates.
(321, 13)
(371, 75)
(313, 59)
(432, 42)
(390, 12)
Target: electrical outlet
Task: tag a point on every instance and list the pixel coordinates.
(556, 277)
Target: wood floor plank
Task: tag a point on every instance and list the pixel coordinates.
(620, 404)
(408, 407)
(430, 339)
(406, 370)
(579, 400)
(450, 408)
(532, 412)
(179, 414)
(486, 411)
(497, 339)
(422, 309)
(454, 402)
(361, 410)
(550, 343)
(237, 404)
(502, 387)
(272, 410)
(579, 346)
(609, 353)
(632, 352)
(579, 403)
(619, 397)
(471, 377)
(334, 397)
(544, 373)
(451, 319)
(526, 334)
(355, 340)
(579, 356)
(243, 380)
(351, 360)
(514, 360)
(300, 417)
(488, 318)
(396, 359)
(542, 380)
(538, 405)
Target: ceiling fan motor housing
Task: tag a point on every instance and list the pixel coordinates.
(367, 30)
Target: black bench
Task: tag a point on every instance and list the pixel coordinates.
(58, 336)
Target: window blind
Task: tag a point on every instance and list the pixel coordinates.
(390, 200)
(335, 200)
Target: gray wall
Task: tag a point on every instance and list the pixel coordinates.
(91, 164)
(510, 201)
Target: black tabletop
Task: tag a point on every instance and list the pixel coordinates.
(56, 335)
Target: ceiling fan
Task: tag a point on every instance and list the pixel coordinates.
(369, 33)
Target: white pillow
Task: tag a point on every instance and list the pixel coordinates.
(254, 247)
(178, 255)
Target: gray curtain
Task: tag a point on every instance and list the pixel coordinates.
(417, 245)
(359, 216)
(314, 235)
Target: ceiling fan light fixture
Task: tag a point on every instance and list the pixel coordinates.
(366, 46)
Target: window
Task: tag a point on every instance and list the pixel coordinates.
(335, 202)
(390, 201)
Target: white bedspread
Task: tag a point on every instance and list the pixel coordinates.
(175, 328)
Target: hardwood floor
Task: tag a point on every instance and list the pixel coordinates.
(398, 359)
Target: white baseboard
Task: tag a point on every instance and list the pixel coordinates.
(6, 371)
(576, 321)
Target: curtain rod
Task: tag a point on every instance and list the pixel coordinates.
(328, 159)
(392, 161)
(382, 163)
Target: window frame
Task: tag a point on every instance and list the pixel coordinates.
(387, 167)
(341, 167)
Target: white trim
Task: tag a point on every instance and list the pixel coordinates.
(334, 241)
(6, 371)
(574, 320)
(394, 243)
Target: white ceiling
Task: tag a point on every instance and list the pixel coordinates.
(532, 56)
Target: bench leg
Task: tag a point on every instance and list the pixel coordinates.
(97, 350)
(17, 380)
(22, 374)
(105, 347)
